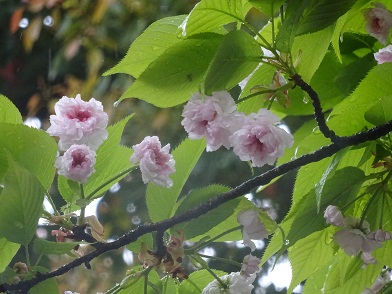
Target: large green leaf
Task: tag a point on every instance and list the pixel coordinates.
(160, 200)
(8, 112)
(174, 76)
(338, 190)
(33, 149)
(21, 204)
(236, 58)
(309, 255)
(7, 252)
(350, 112)
(311, 49)
(209, 15)
(320, 14)
(48, 286)
(153, 42)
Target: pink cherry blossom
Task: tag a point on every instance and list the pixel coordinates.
(79, 122)
(259, 140)
(213, 118)
(253, 228)
(379, 235)
(384, 55)
(334, 216)
(156, 163)
(378, 22)
(235, 284)
(250, 265)
(77, 163)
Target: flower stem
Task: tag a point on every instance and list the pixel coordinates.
(27, 255)
(83, 208)
(128, 170)
(221, 259)
(201, 245)
(56, 212)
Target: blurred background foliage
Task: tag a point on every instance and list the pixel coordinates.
(52, 48)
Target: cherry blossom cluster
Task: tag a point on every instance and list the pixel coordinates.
(379, 24)
(81, 128)
(355, 237)
(234, 283)
(254, 137)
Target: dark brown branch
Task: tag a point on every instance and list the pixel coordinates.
(246, 187)
(318, 111)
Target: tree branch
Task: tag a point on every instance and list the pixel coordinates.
(318, 111)
(246, 187)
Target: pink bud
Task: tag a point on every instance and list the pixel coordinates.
(378, 22)
(250, 265)
(334, 216)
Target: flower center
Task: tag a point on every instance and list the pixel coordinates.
(79, 114)
(78, 159)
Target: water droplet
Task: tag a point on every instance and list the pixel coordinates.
(136, 220)
(19, 225)
(305, 99)
(155, 48)
(115, 104)
(131, 207)
(286, 242)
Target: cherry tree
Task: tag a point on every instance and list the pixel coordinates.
(236, 84)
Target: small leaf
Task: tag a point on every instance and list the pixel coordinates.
(380, 113)
(153, 42)
(46, 247)
(236, 58)
(174, 76)
(8, 112)
(209, 15)
(47, 286)
(21, 204)
(160, 200)
(197, 281)
(7, 252)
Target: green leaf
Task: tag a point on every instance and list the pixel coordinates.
(380, 113)
(174, 76)
(236, 58)
(152, 43)
(315, 282)
(8, 112)
(136, 246)
(34, 149)
(21, 204)
(313, 48)
(209, 15)
(7, 252)
(338, 190)
(350, 112)
(160, 200)
(263, 76)
(46, 247)
(269, 7)
(329, 171)
(309, 255)
(209, 220)
(320, 14)
(197, 281)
